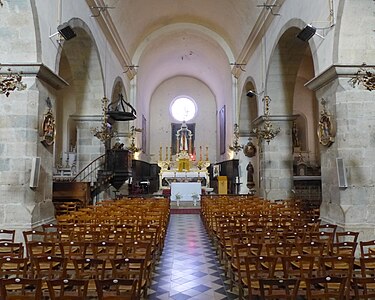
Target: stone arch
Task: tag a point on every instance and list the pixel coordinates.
(79, 105)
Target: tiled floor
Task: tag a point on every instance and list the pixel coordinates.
(189, 268)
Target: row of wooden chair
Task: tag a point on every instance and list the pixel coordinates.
(58, 289)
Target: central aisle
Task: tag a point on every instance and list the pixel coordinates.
(188, 268)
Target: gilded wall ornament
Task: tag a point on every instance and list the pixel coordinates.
(326, 129)
(48, 129)
(364, 76)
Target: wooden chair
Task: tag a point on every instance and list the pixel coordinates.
(326, 287)
(67, 289)
(257, 267)
(117, 289)
(301, 267)
(132, 268)
(237, 270)
(364, 287)
(21, 289)
(89, 269)
(279, 288)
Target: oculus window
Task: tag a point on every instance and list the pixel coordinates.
(183, 109)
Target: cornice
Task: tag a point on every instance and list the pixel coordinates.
(332, 73)
(39, 70)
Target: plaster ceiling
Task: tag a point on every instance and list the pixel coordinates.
(198, 38)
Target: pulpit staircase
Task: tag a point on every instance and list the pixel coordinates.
(110, 169)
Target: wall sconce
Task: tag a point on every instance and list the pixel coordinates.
(307, 33)
(267, 133)
(251, 93)
(133, 148)
(11, 82)
(106, 132)
(65, 31)
(236, 147)
(130, 68)
(239, 66)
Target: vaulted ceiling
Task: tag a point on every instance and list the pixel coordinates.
(198, 38)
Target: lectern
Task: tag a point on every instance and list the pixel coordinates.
(222, 185)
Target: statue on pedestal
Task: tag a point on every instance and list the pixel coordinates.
(250, 176)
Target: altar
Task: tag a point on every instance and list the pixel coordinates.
(185, 191)
(181, 174)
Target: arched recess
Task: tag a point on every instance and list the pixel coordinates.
(79, 105)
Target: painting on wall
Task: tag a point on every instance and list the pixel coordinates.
(222, 129)
(174, 128)
(144, 134)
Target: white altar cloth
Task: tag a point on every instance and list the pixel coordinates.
(186, 191)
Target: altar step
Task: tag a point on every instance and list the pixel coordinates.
(185, 204)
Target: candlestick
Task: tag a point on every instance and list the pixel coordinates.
(161, 154)
(166, 153)
(206, 153)
(170, 155)
(200, 152)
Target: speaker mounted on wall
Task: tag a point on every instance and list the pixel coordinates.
(341, 173)
(35, 172)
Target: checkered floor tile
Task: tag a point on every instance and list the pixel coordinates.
(189, 267)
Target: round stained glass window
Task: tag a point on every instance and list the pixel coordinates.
(183, 109)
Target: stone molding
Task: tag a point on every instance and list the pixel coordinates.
(280, 118)
(39, 70)
(87, 118)
(332, 73)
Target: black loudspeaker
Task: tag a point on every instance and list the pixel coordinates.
(307, 33)
(341, 173)
(35, 171)
(66, 31)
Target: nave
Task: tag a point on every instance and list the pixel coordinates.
(189, 267)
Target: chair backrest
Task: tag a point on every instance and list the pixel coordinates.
(69, 289)
(343, 249)
(104, 250)
(327, 287)
(21, 288)
(89, 268)
(367, 248)
(347, 236)
(130, 268)
(367, 266)
(9, 249)
(298, 266)
(7, 235)
(278, 288)
(40, 248)
(118, 288)
(14, 267)
(49, 267)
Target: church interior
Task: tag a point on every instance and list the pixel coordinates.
(197, 140)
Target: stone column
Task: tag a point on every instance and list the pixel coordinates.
(352, 111)
(276, 160)
(21, 130)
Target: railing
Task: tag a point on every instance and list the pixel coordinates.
(90, 172)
